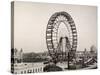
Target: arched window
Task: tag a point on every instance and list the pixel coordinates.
(41, 69)
(25, 71)
(36, 70)
(33, 70)
(21, 72)
(30, 71)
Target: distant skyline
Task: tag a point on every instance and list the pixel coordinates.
(30, 22)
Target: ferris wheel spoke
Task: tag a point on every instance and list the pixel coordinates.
(59, 17)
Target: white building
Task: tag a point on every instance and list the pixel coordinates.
(23, 68)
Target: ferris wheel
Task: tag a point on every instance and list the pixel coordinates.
(61, 35)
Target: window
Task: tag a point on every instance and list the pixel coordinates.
(33, 70)
(21, 72)
(24, 71)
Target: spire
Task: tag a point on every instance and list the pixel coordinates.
(21, 50)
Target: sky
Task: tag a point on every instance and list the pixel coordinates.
(30, 22)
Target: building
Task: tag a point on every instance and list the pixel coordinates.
(18, 56)
(22, 68)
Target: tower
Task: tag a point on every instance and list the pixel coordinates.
(21, 55)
